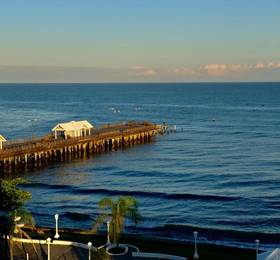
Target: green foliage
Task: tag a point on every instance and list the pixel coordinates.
(11, 197)
(12, 200)
(123, 207)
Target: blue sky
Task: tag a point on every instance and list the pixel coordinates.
(139, 40)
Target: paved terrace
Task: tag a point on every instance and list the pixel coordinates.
(75, 251)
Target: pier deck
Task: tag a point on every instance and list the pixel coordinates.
(38, 151)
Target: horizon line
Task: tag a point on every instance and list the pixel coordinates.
(146, 82)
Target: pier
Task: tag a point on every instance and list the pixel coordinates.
(36, 152)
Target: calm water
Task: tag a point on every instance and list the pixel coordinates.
(220, 171)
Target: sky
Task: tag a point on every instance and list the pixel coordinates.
(139, 40)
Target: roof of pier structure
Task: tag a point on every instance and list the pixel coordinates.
(73, 125)
(2, 139)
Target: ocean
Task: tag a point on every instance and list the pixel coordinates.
(218, 174)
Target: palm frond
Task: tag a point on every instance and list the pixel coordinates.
(134, 215)
(26, 216)
(124, 206)
(23, 233)
(98, 222)
(105, 203)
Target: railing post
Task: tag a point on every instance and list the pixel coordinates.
(257, 248)
(56, 236)
(108, 233)
(89, 250)
(195, 256)
(49, 248)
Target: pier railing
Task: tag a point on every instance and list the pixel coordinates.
(19, 147)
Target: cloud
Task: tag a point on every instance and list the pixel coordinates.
(260, 66)
(146, 72)
(210, 72)
(216, 69)
(229, 69)
(162, 72)
(183, 71)
(275, 65)
(141, 71)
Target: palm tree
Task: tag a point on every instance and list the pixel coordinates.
(118, 210)
(17, 231)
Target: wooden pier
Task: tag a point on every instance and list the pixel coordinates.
(41, 151)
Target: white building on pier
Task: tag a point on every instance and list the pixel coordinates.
(72, 129)
(2, 139)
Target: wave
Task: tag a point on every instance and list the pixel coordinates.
(254, 183)
(108, 168)
(72, 216)
(77, 216)
(45, 185)
(244, 107)
(243, 223)
(107, 192)
(176, 196)
(152, 173)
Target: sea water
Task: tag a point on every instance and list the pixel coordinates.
(218, 174)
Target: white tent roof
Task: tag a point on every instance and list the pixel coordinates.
(270, 255)
(2, 139)
(73, 125)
